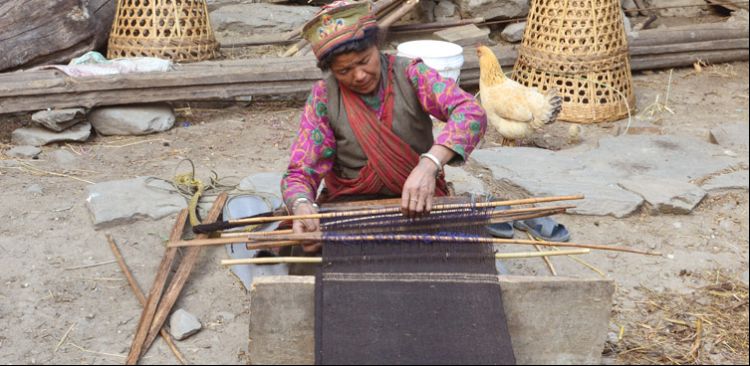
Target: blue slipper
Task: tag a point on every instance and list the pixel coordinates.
(503, 229)
(544, 228)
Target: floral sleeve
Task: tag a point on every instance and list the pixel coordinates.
(466, 121)
(312, 151)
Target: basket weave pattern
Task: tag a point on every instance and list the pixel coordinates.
(179, 30)
(578, 47)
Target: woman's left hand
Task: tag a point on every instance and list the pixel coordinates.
(419, 189)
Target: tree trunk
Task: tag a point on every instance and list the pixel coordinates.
(37, 32)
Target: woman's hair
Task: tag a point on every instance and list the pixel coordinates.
(371, 38)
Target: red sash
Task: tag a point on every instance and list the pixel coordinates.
(390, 160)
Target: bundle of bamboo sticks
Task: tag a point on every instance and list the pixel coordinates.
(366, 228)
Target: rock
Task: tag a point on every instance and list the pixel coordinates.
(491, 9)
(543, 172)
(465, 35)
(464, 182)
(734, 136)
(43, 32)
(641, 128)
(124, 201)
(132, 119)
(34, 189)
(37, 136)
(745, 277)
(59, 119)
(628, 4)
(267, 183)
(678, 8)
(445, 9)
(183, 324)
(260, 18)
(735, 180)
(24, 152)
(63, 158)
(513, 32)
(427, 10)
(665, 195)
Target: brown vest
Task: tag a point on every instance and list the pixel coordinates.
(410, 122)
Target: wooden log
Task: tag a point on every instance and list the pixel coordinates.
(718, 45)
(397, 14)
(36, 32)
(652, 62)
(149, 310)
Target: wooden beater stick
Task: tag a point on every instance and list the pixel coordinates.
(141, 298)
(276, 260)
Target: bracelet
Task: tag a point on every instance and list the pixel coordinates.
(434, 160)
(300, 200)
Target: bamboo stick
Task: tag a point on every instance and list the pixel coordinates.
(142, 298)
(496, 218)
(402, 10)
(257, 220)
(276, 260)
(318, 236)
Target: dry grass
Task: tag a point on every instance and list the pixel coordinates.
(707, 326)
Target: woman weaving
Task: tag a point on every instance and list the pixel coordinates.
(366, 129)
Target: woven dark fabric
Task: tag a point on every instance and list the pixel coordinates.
(410, 303)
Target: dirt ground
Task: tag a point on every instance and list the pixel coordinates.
(64, 300)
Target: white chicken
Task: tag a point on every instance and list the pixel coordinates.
(514, 110)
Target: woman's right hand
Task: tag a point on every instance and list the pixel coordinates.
(307, 225)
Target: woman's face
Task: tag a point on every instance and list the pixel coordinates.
(358, 71)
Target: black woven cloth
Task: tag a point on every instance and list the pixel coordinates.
(409, 303)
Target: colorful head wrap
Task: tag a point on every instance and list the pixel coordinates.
(338, 23)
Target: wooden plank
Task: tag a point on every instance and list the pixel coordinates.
(652, 62)
(718, 45)
(149, 310)
(189, 258)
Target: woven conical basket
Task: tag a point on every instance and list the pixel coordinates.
(179, 30)
(578, 47)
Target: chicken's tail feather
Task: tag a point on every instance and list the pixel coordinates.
(552, 110)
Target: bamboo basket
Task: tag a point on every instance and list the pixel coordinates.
(179, 30)
(578, 47)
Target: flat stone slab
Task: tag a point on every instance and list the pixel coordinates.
(597, 172)
(24, 152)
(735, 180)
(122, 201)
(38, 136)
(665, 196)
(732, 136)
(265, 183)
(260, 18)
(463, 182)
(59, 119)
(571, 329)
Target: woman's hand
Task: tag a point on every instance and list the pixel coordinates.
(307, 225)
(419, 189)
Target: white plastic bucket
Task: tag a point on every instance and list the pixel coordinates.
(445, 57)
